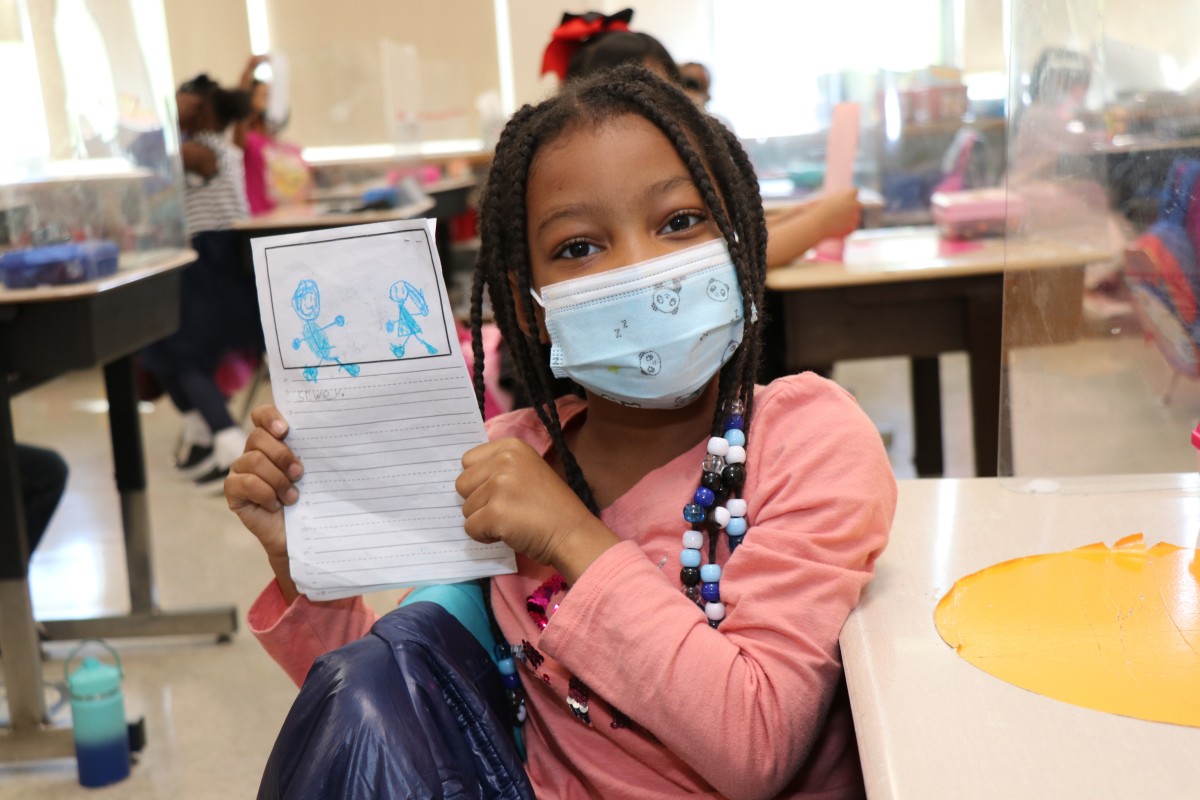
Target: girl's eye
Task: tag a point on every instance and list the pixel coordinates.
(682, 222)
(577, 250)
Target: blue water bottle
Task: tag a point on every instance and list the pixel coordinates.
(98, 714)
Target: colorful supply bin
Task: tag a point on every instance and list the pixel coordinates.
(56, 264)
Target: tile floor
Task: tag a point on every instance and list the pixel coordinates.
(212, 711)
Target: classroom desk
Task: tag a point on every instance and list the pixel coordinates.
(316, 216)
(930, 725)
(450, 196)
(905, 292)
(45, 332)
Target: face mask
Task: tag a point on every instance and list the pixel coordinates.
(650, 335)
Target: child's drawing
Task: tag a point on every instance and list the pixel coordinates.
(405, 325)
(307, 302)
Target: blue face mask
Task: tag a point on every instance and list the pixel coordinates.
(650, 335)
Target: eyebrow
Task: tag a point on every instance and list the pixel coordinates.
(579, 209)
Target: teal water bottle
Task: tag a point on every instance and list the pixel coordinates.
(98, 714)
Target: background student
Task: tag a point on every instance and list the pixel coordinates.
(219, 306)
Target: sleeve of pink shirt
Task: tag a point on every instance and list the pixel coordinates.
(296, 635)
(742, 704)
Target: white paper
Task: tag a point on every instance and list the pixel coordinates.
(367, 369)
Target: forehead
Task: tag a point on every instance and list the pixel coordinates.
(616, 155)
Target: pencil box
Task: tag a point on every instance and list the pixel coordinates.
(54, 264)
(977, 212)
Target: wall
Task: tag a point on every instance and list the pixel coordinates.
(210, 36)
(341, 96)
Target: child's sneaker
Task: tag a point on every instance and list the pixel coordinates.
(228, 444)
(193, 456)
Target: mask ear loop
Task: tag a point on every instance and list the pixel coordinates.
(537, 298)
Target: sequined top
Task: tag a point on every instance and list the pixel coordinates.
(754, 709)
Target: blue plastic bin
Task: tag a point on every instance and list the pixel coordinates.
(51, 265)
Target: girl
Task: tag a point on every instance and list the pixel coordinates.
(219, 311)
(623, 246)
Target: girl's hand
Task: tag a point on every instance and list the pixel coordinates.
(260, 483)
(512, 495)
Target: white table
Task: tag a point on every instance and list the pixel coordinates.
(930, 725)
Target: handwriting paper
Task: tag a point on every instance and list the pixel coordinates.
(367, 369)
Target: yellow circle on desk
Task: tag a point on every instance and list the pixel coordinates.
(1115, 629)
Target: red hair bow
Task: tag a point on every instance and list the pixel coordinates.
(573, 31)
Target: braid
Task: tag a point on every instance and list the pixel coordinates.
(722, 174)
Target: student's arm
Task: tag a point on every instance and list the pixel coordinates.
(296, 632)
(790, 235)
(198, 159)
(743, 705)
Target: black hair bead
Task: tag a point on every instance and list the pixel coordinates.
(712, 480)
(689, 576)
(734, 475)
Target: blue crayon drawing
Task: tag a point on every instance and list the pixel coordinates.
(405, 325)
(307, 302)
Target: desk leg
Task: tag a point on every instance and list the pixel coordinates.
(927, 417)
(144, 618)
(985, 320)
(125, 431)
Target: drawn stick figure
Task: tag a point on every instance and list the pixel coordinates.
(405, 325)
(307, 302)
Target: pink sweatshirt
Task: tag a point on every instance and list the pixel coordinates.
(749, 710)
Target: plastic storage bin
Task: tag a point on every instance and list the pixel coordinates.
(976, 213)
(51, 265)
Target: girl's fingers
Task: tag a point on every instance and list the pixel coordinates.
(480, 453)
(276, 451)
(255, 463)
(242, 488)
(269, 419)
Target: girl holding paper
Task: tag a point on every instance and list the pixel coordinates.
(688, 543)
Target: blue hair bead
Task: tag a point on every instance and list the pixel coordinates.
(689, 557)
(704, 497)
(710, 592)
(736, 526)
(734, 541)
(735, 437)
(694, 513)
(735, 421)
(503, 651)
(710, 573)
(511, 681)
(506, 666)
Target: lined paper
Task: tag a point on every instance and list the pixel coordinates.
(367, 369)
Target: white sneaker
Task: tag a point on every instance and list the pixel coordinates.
(193, 455)
(228, 444)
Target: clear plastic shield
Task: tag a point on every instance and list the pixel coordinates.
(89, 148)
(1100, 346)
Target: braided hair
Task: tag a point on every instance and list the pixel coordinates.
(718, 167)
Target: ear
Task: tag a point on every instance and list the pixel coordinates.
(519, 307)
